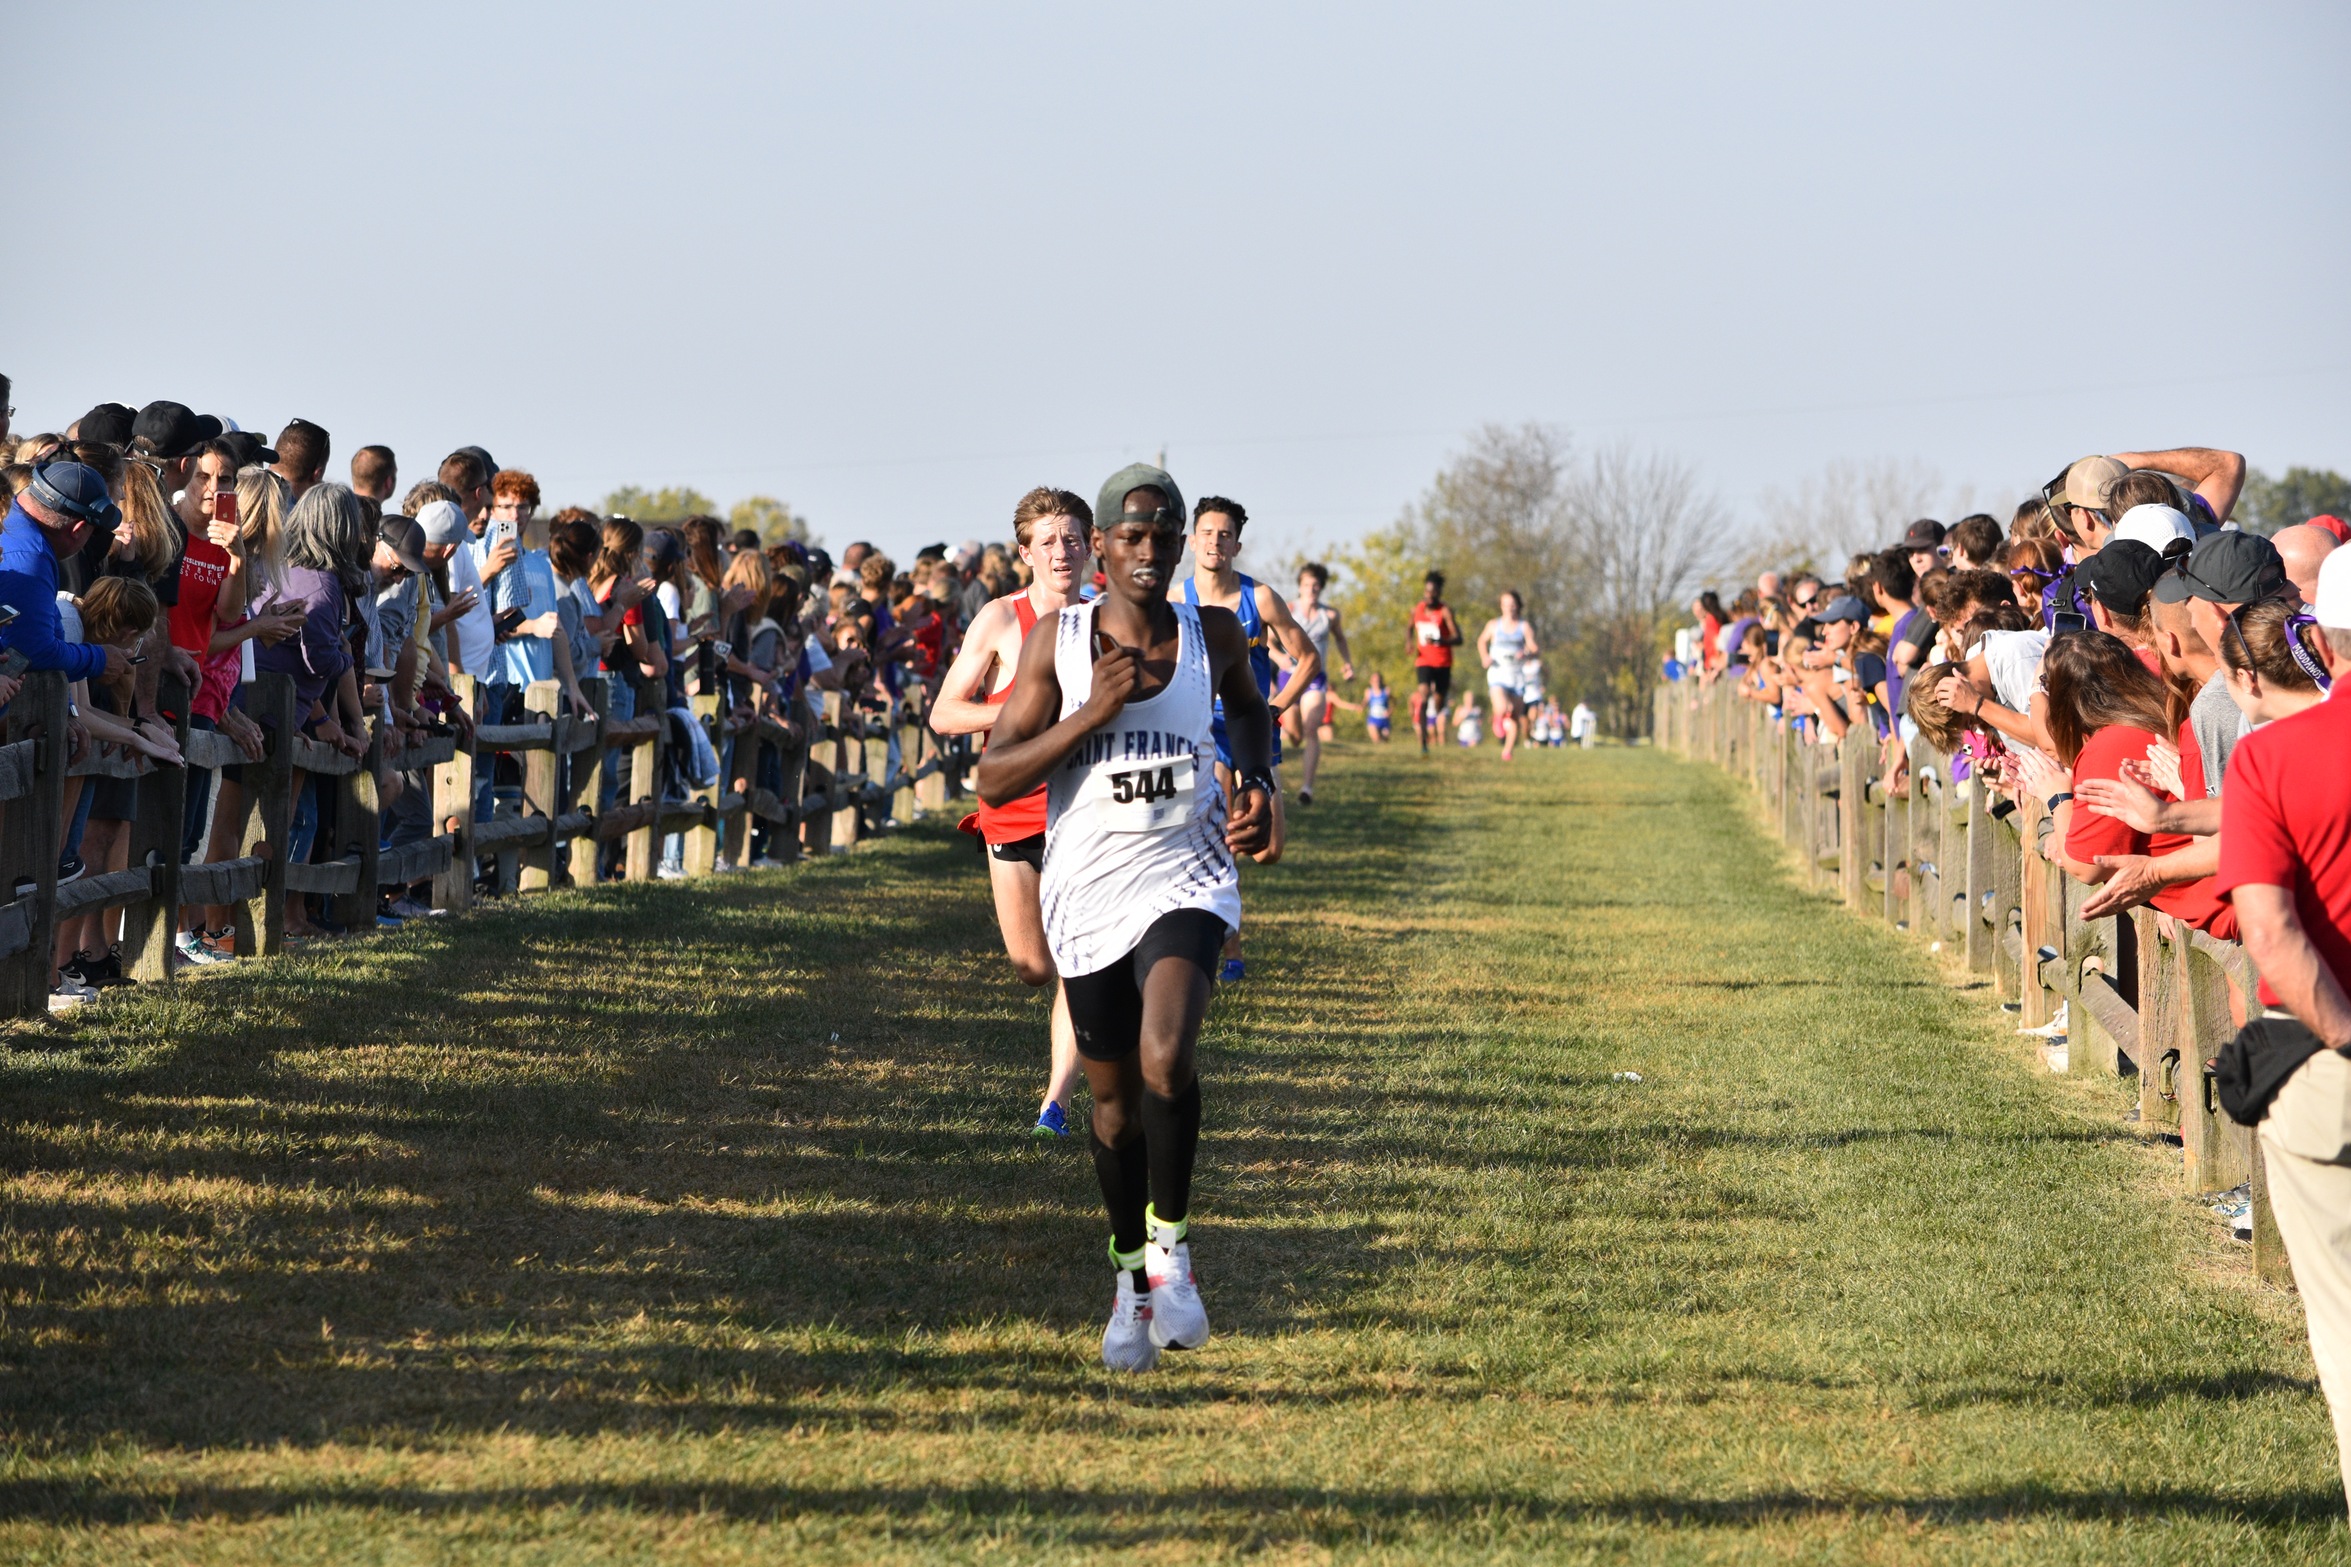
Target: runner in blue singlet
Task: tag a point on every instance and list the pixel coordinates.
(1215, 580)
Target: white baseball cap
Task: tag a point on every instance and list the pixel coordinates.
(2155, 527)
(2333, 607)
(442, 522)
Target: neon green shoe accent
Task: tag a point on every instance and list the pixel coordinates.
(1125, 1261)
(1163, 1233)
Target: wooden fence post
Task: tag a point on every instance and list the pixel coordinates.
(701, 846)
(1982, 877)
(359, 832)
(453, 788)
(542, 789)
(269, 816)
(149, 929)
(582, 787)
(644, 843)
(1853, 816)
(31, 842)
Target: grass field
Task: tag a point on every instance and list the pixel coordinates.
(698, 1224)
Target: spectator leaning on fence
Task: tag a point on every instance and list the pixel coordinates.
(2286, 864)
(62, 506)
(2106, 713)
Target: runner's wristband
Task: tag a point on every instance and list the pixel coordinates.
(1256, 781)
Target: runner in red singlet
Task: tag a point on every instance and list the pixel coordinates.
(1432, 634)
(1051, 527)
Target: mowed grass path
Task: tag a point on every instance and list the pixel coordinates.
(698, 1224)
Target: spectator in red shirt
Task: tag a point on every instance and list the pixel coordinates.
(2285, 861)
(2105, 712)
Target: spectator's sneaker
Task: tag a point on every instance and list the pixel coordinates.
(1127, 1343)
(1178, 1319)
(722, 866)
(407, 908)
(106, 972)
(1231, 972)
(222, 943)
(767, 862)
(1051, 1122)
(191, 949)
(72, 993)
(70, 869)
(670, 872)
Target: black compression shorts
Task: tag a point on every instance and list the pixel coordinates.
(1437, 678)
(1029, 850)
(1106, 1006)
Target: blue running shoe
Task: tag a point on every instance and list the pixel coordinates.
(1050, 1122)
(1231, 971)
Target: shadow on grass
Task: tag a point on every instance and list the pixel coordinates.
(1217, 1517)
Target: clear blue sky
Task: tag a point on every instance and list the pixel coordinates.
(898, 263)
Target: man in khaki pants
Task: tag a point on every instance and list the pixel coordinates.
(2285, 859)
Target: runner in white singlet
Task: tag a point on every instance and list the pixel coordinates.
(1320, 622)
(1114, 711)
(1506, 643)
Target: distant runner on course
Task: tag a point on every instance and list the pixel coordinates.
(1113, 708)
(1432, 634)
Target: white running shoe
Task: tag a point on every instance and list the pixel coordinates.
(1128, 1343)
(1178, 1320)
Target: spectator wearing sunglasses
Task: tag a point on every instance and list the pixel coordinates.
(2221, 574)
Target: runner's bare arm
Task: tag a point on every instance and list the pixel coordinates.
(1339, 641)
(1026, 743)
(962, 708)
(1452, 631)
(1486, 645)
(1305, 662)
(1248, 725)
(1531, 649)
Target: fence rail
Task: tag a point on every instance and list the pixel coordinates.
(2143, 996)
(836, 781)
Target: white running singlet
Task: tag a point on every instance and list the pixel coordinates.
(1134, 820)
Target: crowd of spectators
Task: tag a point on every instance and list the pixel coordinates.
(2158, 679)
(154, 542)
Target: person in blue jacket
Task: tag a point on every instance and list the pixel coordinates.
(52, 518)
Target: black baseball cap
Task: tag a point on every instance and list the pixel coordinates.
(108, 422)
(172, 429)
(248, 448)
(404, 538)
(1924, 534)
(2225, 568)
(2121, 575)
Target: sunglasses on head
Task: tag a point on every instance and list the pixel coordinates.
(1153, 518)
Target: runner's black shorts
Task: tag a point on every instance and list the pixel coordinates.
(1029, 851)
(1106, 1006)
(1438, 678)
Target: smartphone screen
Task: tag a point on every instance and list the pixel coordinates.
(2068, 620)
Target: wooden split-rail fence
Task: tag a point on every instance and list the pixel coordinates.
(554, 839)
(2143, 996)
